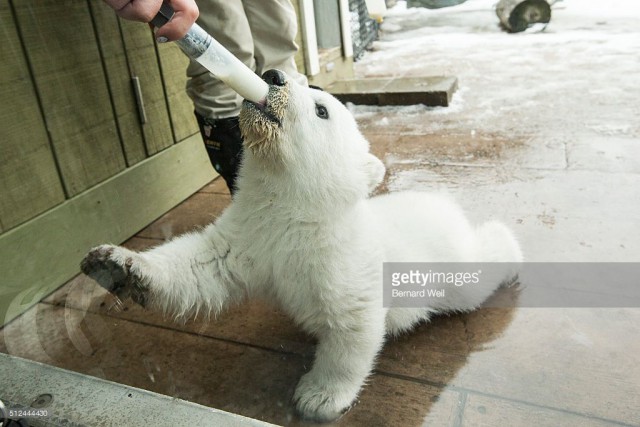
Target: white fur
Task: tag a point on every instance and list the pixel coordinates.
(302, 233)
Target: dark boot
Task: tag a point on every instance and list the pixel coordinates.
(223, 142)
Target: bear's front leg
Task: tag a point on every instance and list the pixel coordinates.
(344, 359)
(196, 272)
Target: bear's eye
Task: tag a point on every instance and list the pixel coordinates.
(321, 111)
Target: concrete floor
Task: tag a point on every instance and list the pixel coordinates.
(570, 192)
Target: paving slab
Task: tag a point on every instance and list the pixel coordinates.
(430, 91)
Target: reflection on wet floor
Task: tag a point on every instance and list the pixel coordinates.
(569, 190)
(493, 366)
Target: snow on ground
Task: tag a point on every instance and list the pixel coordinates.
(581, 75)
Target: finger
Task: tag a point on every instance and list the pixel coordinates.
(186, 13)
(136, 10)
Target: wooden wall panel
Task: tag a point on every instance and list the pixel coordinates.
(70, 79)
(29, 181)
(174, 65)
(119, 81)
(42, 254)
(143, 63)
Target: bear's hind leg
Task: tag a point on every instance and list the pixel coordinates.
(401, 319)
(499, 257)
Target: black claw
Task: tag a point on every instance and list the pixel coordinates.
(116, 278)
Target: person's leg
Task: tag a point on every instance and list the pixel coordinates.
(274, 26)
(223, 142)
(216, 105)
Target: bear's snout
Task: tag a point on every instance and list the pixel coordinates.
(261, 124)
(274, 77)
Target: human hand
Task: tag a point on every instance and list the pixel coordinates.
(186, 13)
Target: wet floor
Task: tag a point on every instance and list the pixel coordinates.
(542, 135)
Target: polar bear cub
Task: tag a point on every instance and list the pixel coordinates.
(303, 233)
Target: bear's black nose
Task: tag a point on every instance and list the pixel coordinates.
(274, 77)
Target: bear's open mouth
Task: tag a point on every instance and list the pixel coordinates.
(263, 109)
(261, 123)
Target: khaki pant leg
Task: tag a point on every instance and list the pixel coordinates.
(226, 21)
(274, 27)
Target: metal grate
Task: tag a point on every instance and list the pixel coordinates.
(364, 30)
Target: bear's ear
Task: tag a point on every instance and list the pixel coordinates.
(375, 170)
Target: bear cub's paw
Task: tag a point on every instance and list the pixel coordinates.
(115, 269)
(322, 401)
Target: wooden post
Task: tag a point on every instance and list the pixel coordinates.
(327, 15)
(310, 42)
